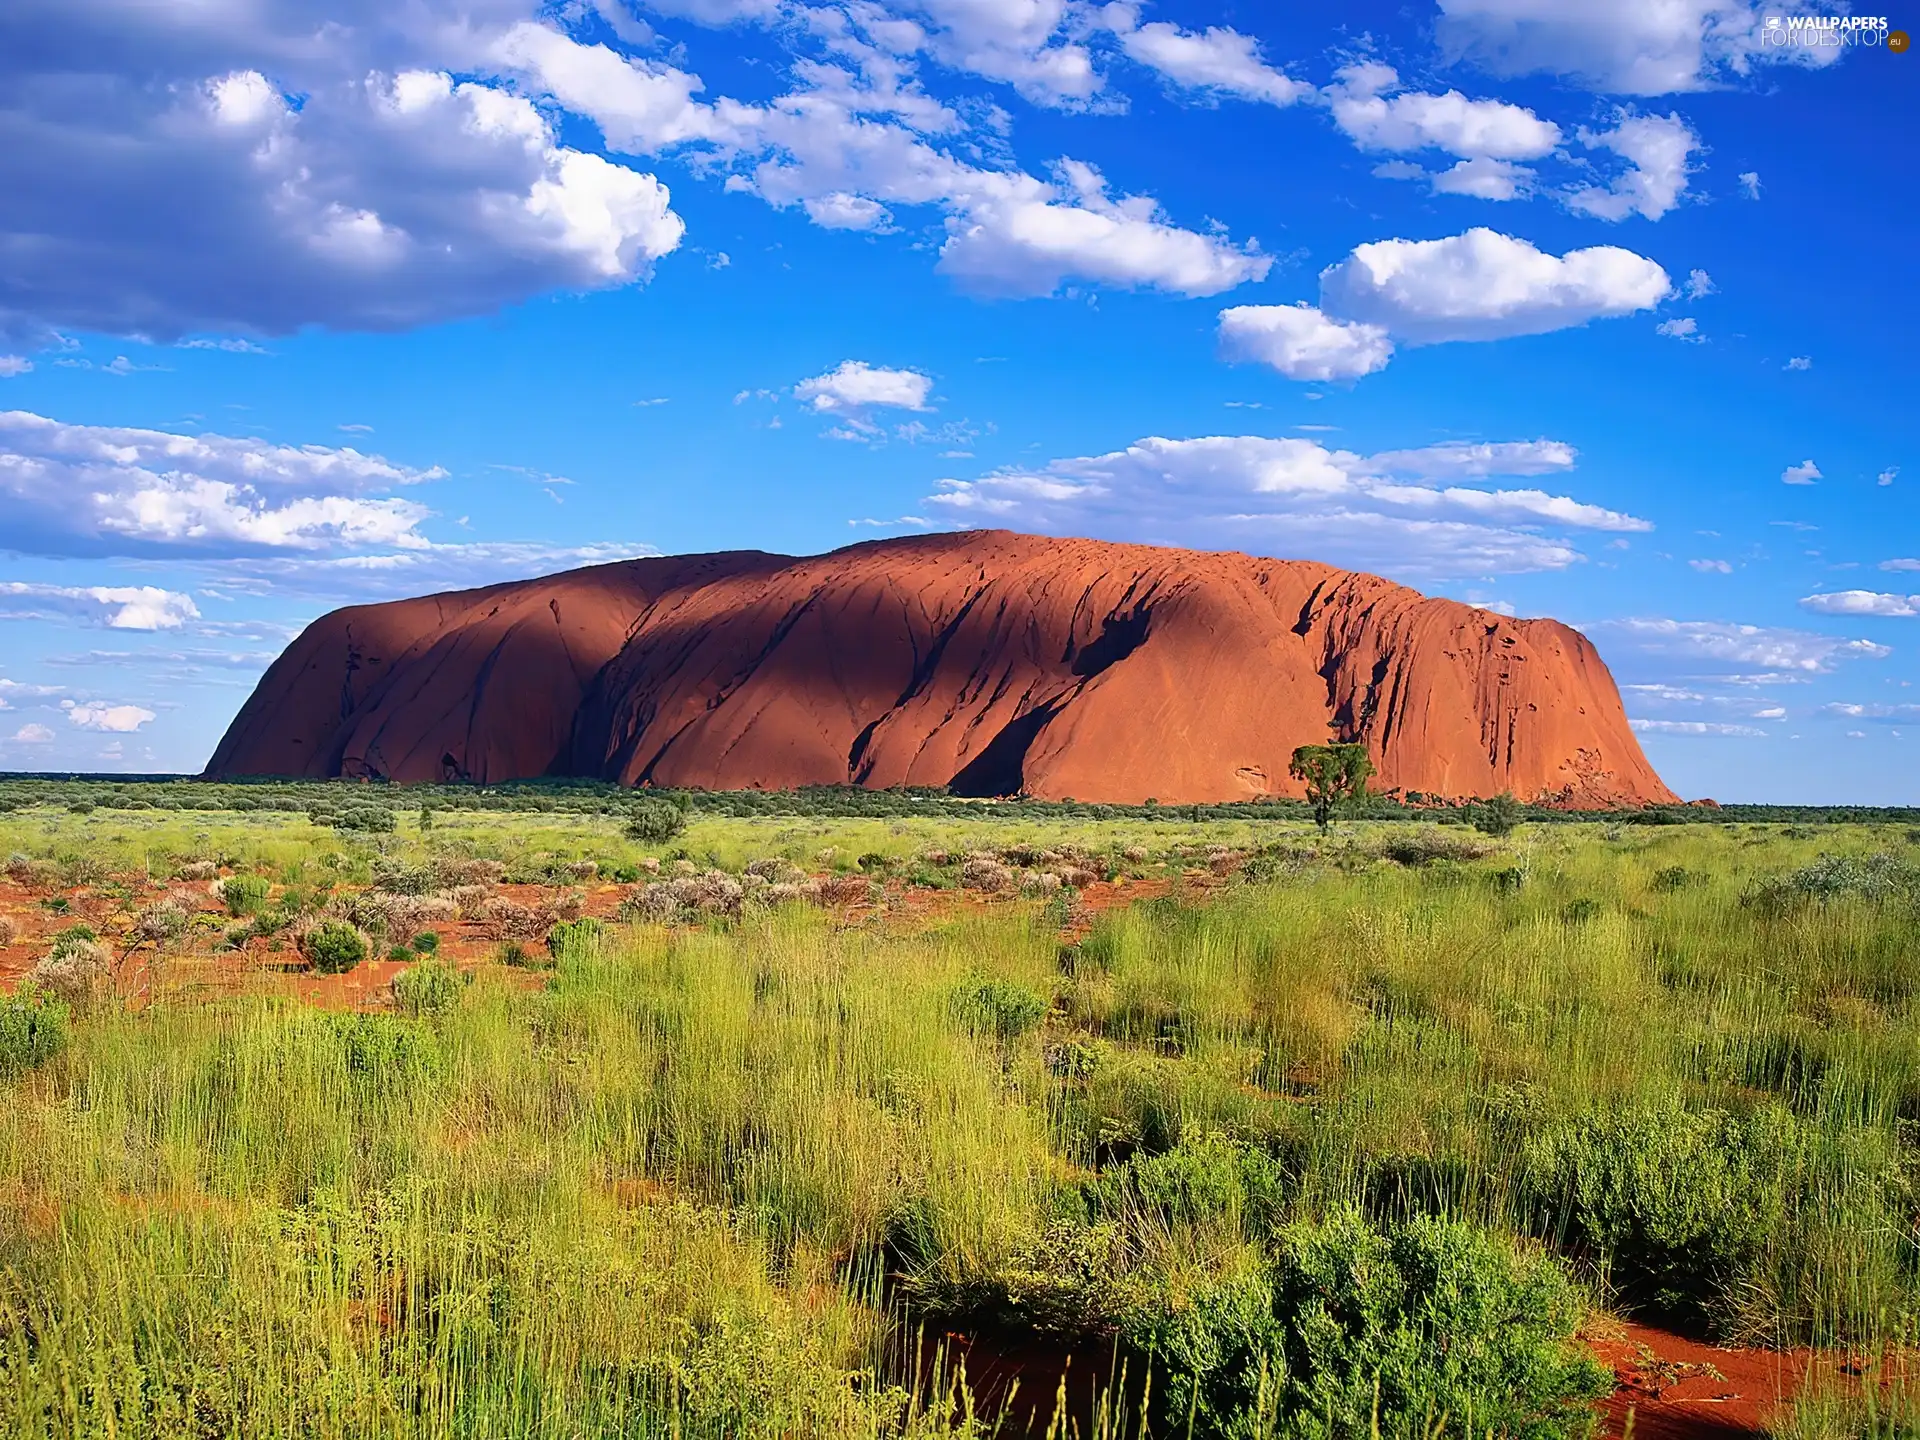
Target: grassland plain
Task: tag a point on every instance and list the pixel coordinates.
(1203, 1127)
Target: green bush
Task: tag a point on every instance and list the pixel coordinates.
(33, 1029)
(427, 942)
(654, 822)
(1000, 1008)
(334, 947)
(244, 895)
(1672, 878)
(573, 937)
(429, 988)
(372, 819)
(1498, 816)
(1435, 1325)
(1719, 1219)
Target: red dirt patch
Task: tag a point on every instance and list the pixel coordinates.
(1679, 1389)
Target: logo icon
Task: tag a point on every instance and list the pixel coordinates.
(1898, 41)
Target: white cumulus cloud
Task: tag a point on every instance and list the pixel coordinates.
(1805, 473)
(101, 489)
(33, 734)
(118, 607)
(1713, 646)
(1367, 109)
(1218, 60)
(1625, 47)
(1480, 285)
(1302, 343)
(1862, 602)
(178, 168)
(1657, 149)
(117, 719)
(854, 386)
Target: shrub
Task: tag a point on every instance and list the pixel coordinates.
(654, 822)
(1346, 1330)
(1672, 878)
(77, 970)
(1000, 1008)
(244, 895)
(195, 870)
(429, 988)
(1876, 879)
(573, 937)
(1424, 846)
(33, 1029)
(9, 931)
(334, 947)
(1498, 816)
(160, 922)
(1718, 1219)
(1579, 911)
(505, 919)
(846, 890)
(986, 875)
(369, 819)
(427, 942)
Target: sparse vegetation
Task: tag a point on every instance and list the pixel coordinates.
(1276, 1133)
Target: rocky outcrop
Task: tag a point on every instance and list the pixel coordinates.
(990, 662)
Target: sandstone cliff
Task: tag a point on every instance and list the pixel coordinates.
(992, 662)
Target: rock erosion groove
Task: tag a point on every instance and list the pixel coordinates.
(986, 661)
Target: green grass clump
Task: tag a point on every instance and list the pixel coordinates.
(33, 1029)
(1340, 1328)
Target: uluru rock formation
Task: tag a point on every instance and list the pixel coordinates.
(990, 662)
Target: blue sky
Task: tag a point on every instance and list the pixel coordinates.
(1598, 311)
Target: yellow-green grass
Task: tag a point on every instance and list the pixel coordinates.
(711, 1179)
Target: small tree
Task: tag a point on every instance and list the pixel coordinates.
(1499, 815)
(654, 822)
(1333, 774)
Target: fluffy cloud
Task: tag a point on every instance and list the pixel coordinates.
(96, 715)
(33, 735)
(231, 168)
(12, 365)
(1805, 473)
(1712, 567)
(1699, 285)
(1480, 285)
(1415, 120)
(1656, 149)
(1303, 343)
(1483, 285)
(847, 150)
(1683, 327)
(98, 489)
(1711, 646)
(1294, 496)
(118, 607)
(1750, 184)
(855, 386)
(1218, 60)
(1627, 47)
(1862, 602)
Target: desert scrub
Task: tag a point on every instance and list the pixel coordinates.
(334, 947)
(1343, 1328)
(33, 1029)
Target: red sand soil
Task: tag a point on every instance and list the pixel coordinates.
(1680, 1389)
(988, 661)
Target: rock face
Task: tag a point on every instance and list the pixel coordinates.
(991, 662)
